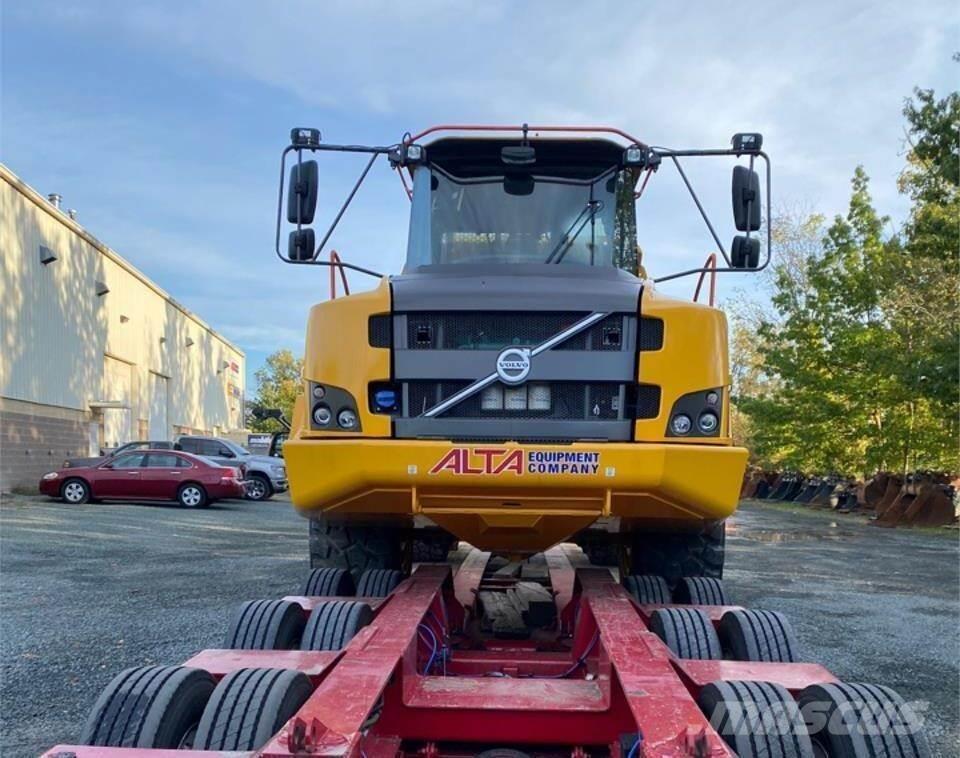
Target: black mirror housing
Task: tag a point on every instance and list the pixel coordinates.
(518, 155)
(745, 252)
(301, 245)
(745, 192)
(518, 185)
(302, 192)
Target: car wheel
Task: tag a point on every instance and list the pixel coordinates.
(192, 496)
(75, 492)
(258, 487)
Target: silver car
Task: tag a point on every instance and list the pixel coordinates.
(264, 475)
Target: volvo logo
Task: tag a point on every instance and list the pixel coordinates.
(513, 365)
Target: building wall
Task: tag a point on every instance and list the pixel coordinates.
(131, 362)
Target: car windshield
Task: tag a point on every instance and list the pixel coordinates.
(522, 219)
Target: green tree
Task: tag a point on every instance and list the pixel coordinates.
(278, 383)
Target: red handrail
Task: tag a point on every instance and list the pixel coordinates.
(712, 265)
(335, 259)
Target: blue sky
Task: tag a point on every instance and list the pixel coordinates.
(162, 123)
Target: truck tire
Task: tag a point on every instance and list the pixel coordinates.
(848, 716)
(149, 707)
(749, 635)
(700, 590)
(334, 623)
(266, 625)
(688, 632)
(329, 582)
(356, 547)
(648, 589)
(259, 487)
(756, 719)
(249, 706)
(432, 545)
(674, 555)
(378, 582)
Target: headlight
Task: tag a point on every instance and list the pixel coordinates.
(51, 475)
(318, 392)
(321, 415)
(681, 424)
(347, 419)
(708, 422)
(278, 470)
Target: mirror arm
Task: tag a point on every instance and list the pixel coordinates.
(346, 204)
(703, 213)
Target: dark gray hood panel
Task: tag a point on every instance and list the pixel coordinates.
(516, 287)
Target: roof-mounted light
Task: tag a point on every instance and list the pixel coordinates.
(305, 137)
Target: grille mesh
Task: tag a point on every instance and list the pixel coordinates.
(582, 401)
(651, 333)
(380, 330)
(495, 330)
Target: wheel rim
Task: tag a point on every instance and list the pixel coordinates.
(257, 489)
(190, 496)
(73, 492)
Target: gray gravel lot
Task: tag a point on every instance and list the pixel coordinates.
(85, 592)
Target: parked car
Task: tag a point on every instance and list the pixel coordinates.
(265, 475)
(129, 447)
(191, 480)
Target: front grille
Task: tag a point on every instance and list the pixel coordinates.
(380, 330)
(651, 333)
(580, 401)
(495, 330)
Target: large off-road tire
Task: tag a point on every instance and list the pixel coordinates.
(756, 719)
(249, 706)
(674, 555)
(432, 545)
(334, 623)
(149, 707)
(860, 720)
(356, 546)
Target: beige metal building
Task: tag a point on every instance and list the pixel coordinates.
(92, 353)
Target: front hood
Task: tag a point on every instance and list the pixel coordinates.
(512, 287)
(263, 460)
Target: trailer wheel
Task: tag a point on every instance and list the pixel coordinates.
(749, 635)
(688, 632)
(149, 707)
(249, 706)
(674, 555)
(329, 582)
(648, 589)
(334, 623)
(266, 625)
(855, 720)
(756, 719)
(378, 582)
(356, 547)
(700, 590)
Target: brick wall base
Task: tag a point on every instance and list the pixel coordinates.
(35, 439)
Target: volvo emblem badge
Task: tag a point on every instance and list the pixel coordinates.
(513, 365)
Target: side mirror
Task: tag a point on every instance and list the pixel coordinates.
(107, 465)
(301, 245)
(745, 252)
(745, 192)
(302, 192)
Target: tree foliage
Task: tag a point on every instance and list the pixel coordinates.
(854, 368)
(278, 382)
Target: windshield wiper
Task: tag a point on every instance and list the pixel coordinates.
(591, 209)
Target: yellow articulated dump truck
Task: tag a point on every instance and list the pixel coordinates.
(521, 382)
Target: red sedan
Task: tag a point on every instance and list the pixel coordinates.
(191, 480)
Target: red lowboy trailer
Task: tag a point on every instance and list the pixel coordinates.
(423, 678)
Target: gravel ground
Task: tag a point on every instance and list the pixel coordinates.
(86, 592)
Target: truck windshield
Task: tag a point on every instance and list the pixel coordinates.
(541, 219)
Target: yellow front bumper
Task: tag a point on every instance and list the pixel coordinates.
(512, 497)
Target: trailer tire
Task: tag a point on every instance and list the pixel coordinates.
(648, 589)
(378, 582)
(249, 706)
(334, 623)
(700, 590)
(326, 582)
(149, 707)
(674, 555)
(688, 632)
(756, 719)
(266, 625)
(356, 547)
(852, 712)
(748, 635)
